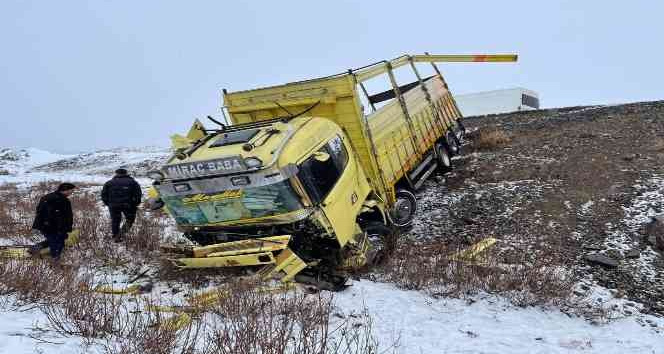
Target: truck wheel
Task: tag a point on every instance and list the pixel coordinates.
(403, 212)
(461, 135)
(452, 144)
(382, 242)
(444, 159)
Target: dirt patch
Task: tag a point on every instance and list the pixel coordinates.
(576, 182)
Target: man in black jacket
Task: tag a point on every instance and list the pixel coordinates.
(122, 195)
(54, 219)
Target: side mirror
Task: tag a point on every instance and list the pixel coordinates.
(321, 156)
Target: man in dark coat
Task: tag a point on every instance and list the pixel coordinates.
(122, 195)
(54, 219)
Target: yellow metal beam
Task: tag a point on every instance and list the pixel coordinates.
(462, 58)
(374, 70)
(470, 254)
(228, 261)
(263, 244)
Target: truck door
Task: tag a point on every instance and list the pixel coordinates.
(330, 178)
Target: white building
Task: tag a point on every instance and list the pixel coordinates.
(497, 101)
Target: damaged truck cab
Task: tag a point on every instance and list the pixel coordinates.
(297, 177)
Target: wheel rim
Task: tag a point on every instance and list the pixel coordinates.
(403, 209)
(444, 157)
(453, 146)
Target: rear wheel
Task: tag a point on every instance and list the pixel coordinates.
(443, 157)
(452, 144)
(403, 212)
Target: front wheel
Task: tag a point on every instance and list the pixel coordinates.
(382, 242)
(403, 212)
(452, 144)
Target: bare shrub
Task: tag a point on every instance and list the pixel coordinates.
(250, 320)
(35, 281)
(530, 281)
(491, 139)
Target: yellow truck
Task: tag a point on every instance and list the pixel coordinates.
(311, 177)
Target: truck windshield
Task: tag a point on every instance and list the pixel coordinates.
(237, 204)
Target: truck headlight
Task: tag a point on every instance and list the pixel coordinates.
(156, 175)
(253, 162)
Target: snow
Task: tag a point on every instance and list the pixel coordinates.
(30, 166)
(21, 332)
(422, 324)
(417, 323)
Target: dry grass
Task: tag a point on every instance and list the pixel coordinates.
(491, 139)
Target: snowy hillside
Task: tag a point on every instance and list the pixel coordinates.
(138, 160)
(16, 160)
(31, 165)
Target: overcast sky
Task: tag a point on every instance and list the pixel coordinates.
(85, 75)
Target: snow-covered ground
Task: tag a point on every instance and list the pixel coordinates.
(417, 323)
(421, 324)
(414, 321)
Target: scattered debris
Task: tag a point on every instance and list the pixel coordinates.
(600, 259)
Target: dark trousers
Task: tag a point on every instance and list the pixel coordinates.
(117, 212)
(56, 242)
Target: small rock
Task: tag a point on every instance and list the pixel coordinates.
(629, 157)
(4, 172)
(655, 232)
(635, 253)
(602, 260)
(593, 247)
(578, 293)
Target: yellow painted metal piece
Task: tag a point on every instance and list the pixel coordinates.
(14, 252)
(381, 68)
(180, 142)
(209, 298)
(287, 265)
(108, 289)
(263, 244)
(471, 253)
(177, 322)
(464, 58)
(196, 131)
(22, 252)
(227, 261)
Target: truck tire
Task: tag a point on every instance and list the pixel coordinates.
(461, 134)
(382, 242)
(443, 157)
(403, 212)
(452, 144)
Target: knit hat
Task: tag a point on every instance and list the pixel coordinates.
(121, 172)
(65, 187)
